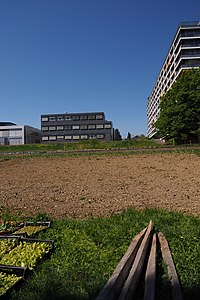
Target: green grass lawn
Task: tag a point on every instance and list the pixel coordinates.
(86, 253)
(116, 148)
(90, 144)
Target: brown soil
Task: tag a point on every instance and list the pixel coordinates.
(100, 186)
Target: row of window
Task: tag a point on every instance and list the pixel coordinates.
(72, 118)
(10, 133)
(73, 137)
(77, 127)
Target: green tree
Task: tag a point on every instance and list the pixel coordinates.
(129, 136)
(117, 135)
(179, 118)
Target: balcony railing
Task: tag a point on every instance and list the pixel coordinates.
(190, 24)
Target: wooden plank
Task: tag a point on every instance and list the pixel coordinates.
(150, 276)
(114, 285)
(168, 260)
(135, 272)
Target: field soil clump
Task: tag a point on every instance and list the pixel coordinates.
(81, 187)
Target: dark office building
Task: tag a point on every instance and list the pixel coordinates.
(75, 127)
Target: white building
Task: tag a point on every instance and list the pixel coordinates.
(184, 53)
(12, 134)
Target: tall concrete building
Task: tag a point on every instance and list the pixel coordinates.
(183, 54)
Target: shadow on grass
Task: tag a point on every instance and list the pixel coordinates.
(191, 293)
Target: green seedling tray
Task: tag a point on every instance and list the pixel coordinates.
(19, 272)
(32, 240)
(23, 230)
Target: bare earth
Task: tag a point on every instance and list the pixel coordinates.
(100, 186)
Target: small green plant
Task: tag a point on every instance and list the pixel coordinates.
(41, 217)
(6, 217)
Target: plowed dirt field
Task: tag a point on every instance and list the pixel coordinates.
(100, 185)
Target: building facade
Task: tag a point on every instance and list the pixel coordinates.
(184, 54)
(75, 127)
(12, 134)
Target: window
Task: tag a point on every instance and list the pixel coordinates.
(92, 136)
(68, 118)
(91, 117)
(83, 126)
(75, 127)
(11, 132)
(4, 133)
(45, 138)
(45, 119)
(60, 127)
(107, 126)
(60, 137)
(68, 127)
(52, 128)
(83, 117)
(68, 137)
(91, 126)
(52, 138)
(75, 117)
(99, 117)
(84, 137)
(45, 128)
(17, 132)
(99, 126)
(60, 118)
(75, 137)
(52, 118)
(100, 136)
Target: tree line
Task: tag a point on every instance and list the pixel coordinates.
(179, 118)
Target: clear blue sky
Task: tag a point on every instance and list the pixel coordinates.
(61, 56)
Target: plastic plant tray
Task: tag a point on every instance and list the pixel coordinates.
(32, 228)
(7, 243)
(10, 236)
(7, 274)
(34, 251)
(40, 223)
(26, 239)
(13, 226)
(32, 240)
(19, 271)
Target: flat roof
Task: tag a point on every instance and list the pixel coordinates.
(7, 124)
(72, 114)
